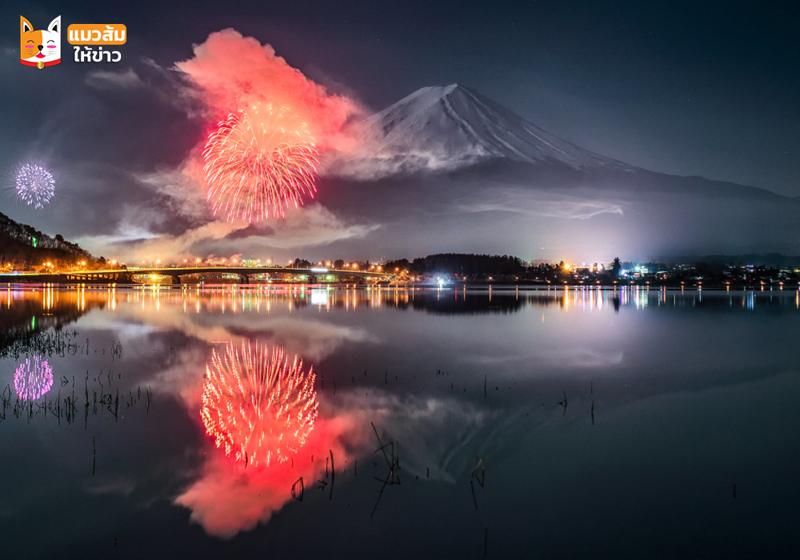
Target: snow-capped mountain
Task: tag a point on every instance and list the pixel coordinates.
(449, 127)
(447, 164)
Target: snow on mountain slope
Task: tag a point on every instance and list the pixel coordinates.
(449, 127)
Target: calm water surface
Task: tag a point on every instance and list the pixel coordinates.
(306, 423)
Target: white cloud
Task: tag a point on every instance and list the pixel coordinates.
(389, 161)
(311, 226)
(169, 246)
(544, 204)
(114, 79)
(180, 188)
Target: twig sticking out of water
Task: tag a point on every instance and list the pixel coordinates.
(392, 460)
(94, 456)
(478, 475)
(86, 401)
(592, 412)
(149, 398)
(479, 471)
(333, 475)
(564, 403)
(295, 494)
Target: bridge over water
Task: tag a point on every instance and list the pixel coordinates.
(245, 274)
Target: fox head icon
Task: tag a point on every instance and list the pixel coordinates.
(39, 47)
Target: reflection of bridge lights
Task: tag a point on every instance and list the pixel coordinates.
(319, 297)
(33, 378)
(258, 403)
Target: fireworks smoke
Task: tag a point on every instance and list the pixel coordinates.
(35, 185)
(258, 163)
(33, 378)
(258, 403)
(229, 72)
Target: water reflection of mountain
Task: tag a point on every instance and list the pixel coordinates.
(471, 304)
(27, 314)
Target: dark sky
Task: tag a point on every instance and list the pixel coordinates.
(688, 88)
(709, 88)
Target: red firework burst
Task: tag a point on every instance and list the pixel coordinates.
(258, 403)
(258, 163)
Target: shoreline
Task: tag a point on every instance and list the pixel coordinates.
(527, 286)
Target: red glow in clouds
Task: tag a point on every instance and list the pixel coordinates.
(232, 75)
(228, 498)
(259, 407)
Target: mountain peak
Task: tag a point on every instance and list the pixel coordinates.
(450, 126)
(427, 97)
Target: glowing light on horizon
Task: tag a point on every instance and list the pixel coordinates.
(258, 163)
(35, 185)
(258, 403)
(33, 378)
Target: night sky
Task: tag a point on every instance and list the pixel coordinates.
(684, 88)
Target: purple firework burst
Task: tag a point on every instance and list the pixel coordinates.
(33, 378)
(35, 185)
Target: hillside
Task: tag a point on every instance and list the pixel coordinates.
(23, 246)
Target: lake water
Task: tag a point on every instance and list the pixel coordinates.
(349, 423)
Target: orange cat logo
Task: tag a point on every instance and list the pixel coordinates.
(39, 47)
